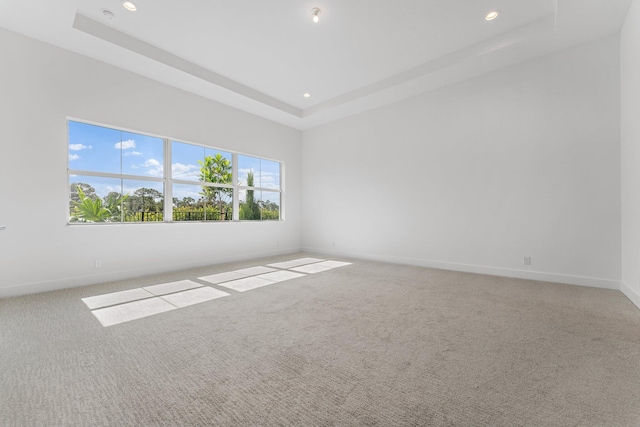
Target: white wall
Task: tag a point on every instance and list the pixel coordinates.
(521, 162)
(630, 101)
(40, 86)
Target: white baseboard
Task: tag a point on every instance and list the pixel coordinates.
(630, 293)
(593, 282)
(77, 281)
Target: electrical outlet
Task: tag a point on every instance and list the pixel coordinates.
(527, 260)
(98, 263)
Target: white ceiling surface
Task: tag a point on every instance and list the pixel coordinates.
(262, 57)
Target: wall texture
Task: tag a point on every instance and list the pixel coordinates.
(476, 176)
(630, 94)
(40, 87)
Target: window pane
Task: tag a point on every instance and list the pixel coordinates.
(94, 148)
(249, 205)
(143, 201)
(259, 205)
(256, 172)
(99, 149)
(193, 163)
(216, 167)
(249, 171)
(95, 199)
(270, 206)
(221, 201)
(142, 155)
(269, 174)
(198, 203)
(184, 161)
(188, 203)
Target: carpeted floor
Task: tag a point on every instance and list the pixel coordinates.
(365, 344)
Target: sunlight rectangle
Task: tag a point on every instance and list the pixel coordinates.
(253, 271)
(247, 284)
(117, 314)
(171, 287)
(280, 276)
(222, 277)
(320, 267)
(334, 264)
(194, 296)
(295, 262)
(114, 298)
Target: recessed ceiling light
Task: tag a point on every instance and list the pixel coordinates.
(492, 15)
(129, 5)
(315, 12)
(108, 14)
(307, 95)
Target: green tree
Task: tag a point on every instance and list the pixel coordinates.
(113, 202)
(269, 210)
(142, 202)
(216, 169)
(250, 210)
(87, 190)
(185, 202)
(88, 209)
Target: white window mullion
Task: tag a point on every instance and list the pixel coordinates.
(115, 175)
(235, 182)
(168, 184)
(282, 189)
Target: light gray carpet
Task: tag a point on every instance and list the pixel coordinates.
(366, 344)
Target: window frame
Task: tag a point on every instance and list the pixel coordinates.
(261, 189)
(168, 180)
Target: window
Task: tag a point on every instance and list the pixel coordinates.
(202, 183)
(259, 188)
(121, 176)
(114, 176)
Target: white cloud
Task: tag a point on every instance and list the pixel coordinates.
(125, 145)
(262, 179)
(73, 157)
(156, 171)
(132, 153)
(78, 147)
(155, 168)
(185, 172)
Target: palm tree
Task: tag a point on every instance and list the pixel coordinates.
(88, 209)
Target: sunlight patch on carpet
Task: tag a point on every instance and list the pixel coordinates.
(246, 284)
(295, 262)
(121, 313)
(194, 296)
(119, 307)
(171, 287)
(280, 276)
(320, 267)
(114, 298)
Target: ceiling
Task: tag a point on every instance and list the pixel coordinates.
(261, 57)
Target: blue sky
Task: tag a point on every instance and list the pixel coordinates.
(100, 149)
